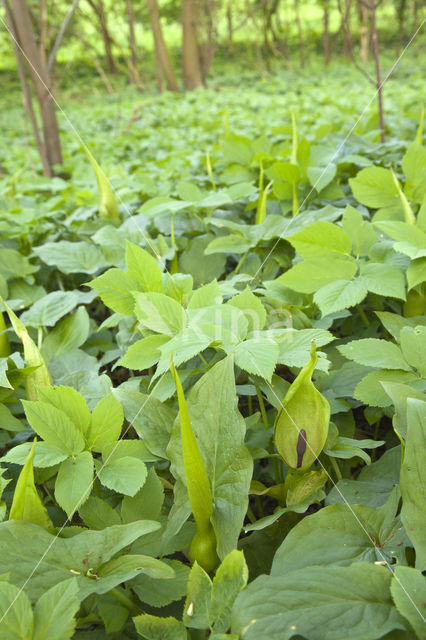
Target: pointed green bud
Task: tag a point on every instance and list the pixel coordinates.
(301, 426)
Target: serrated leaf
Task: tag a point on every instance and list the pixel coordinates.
(310, 275)
(71, 257)
(341, 294)
(144, 268)
(105, 423)
(320, 239)
(114, 288)
(257, 356)
(152, 628)
(54, 612)
(160, 313)
(54, 426)
(125, 475)
(74, 482)
(374, 352)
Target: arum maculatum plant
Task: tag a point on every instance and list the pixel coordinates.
(301, 426)
(4, 340)
(203, 545)
(40, 377)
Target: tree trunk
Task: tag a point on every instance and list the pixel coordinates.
(364, 30)
(400, 16)
(345, 27)
(161, 55)
(375, 42)
(106, 36)
(230, 27)
(326, 34)
(191, 66)
(300, 33)
(135, 78)
(22, 28)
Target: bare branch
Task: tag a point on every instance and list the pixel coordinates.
(60, 36)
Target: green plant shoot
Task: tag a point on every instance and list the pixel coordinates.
(301, 426)
(108, 207)
(4, 340)
(40, 377)
(26, 504)
(203, 546)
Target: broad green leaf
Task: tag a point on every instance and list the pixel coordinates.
(71, 257)
(338, 535)
(416, 272)
(360, 231)
(98, 514)
(252, 308)
(144, 353)
(373, 352)
(160, 313)
(54, 612)
(197, 609)
(374, 187)
(257, 356)
(408, 590)
(70, 333)
(69, 401)
(233, 243)
(370, 390)
(320, 177)
(295, 345)
(45, 454)
(15, 613)
(340, 294)
(383, 279)
(219, 429)
(413, 347)
(114, 287)
(8, 421)
(414, 166)
(152, 628)
(207, 295)
(310, 275)
(412, 480)
(48, 310)
(160, 592)
(147, 502)
(15, 265)
(54, 426)
(203, 268)
(231, 577)
(105, 424)
(74, 482)
(30, 550)
(301, 425)
(399, 394)
(108, 207)
(410, 239)
(144, 268)
(320, 603)
(26, 504)
(320, 239)
(125, 475)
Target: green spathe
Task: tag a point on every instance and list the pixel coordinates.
(301, 426)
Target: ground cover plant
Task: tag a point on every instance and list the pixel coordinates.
(212, 365)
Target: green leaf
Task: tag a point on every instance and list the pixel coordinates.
(69, 334)
(412, 479)
(98, 514)
(69, 401)
(318, 603)
(45, 454)
(54, 612)
(320, 177)
(231, 577)
(399, 394)
(374, 187)
(219, 429)
(233, 243)
(14, 265)
(320, 239)
(340, 536)
(147, 502)
(125, 475)
(197, 609)
(15, 613)
(48, 310)
(374, 352)
(30, 550)
(144, 268)
(205, 296)
(408, 590)
(340, 294)
(370, 389)
(414, 167)
(310, 275)
(160, 313)
(71, 257)
(359, 230)
(257, 356)
(54, 426)
(252, 308)
(74, 482)
(114, 287)
(160, 592)
(295, 345)
(105, 424)
(416, 272)
(153, 628)
(203, 268)
(26, 504)
(383, 279)
(410, 238)
(413, 347)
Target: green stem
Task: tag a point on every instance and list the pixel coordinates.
(127, 602)
(202, 358)
(336, 467)
(250, 514)
(295, 201)
(259, 506)
(362, 315)
(239, 265)
(250, 405)
(262, 407)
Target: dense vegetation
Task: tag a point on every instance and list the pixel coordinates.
(212, 356)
